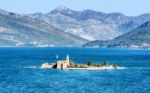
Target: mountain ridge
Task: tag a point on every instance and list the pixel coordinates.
(91, 24)
(21, 30)
(137, 38)
(67, 27)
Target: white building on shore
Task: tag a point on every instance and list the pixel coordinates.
(63, 64)
(60, 64)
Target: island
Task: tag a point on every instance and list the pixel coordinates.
(70, 65)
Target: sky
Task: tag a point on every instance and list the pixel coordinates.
(127, 7)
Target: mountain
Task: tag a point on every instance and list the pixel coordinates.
(65, 27)
(21, 30)
(137, 38)
(90, 24)
(97, 43)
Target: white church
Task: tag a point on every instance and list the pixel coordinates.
(63, 64)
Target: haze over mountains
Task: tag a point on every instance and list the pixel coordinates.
(137, 38)
(90, 24)
(19, 30)
(65, 27)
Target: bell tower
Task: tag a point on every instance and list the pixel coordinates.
(67, 58)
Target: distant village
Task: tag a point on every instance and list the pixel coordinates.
(70, 65)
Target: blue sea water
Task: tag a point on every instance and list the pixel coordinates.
(18, 76)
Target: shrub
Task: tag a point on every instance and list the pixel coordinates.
(71, 63)
(89, 63)
(115, 66)
(105, 63)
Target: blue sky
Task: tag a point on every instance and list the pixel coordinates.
(128, 7)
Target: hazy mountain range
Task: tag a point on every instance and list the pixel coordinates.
(19, 30)
(137, 38)
(90, 24)
(65, 27)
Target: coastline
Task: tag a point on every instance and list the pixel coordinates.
(90, 68)
(96, 68)
(114, 48)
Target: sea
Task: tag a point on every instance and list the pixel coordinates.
(19, 72)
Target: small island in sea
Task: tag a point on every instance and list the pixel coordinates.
(70, 65)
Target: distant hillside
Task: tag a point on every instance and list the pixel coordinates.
(65, 27)
(137, 38)
(19, 30)
(90, 24)
(97, 43)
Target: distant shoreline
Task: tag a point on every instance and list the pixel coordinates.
(71, 47)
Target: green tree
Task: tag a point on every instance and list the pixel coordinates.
(71, 63)
(89, 63)
(76, 65)
(115, 66)
(105, 63)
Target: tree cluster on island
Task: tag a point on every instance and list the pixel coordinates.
(90, 64)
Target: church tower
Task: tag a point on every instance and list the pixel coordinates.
(67, 58)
